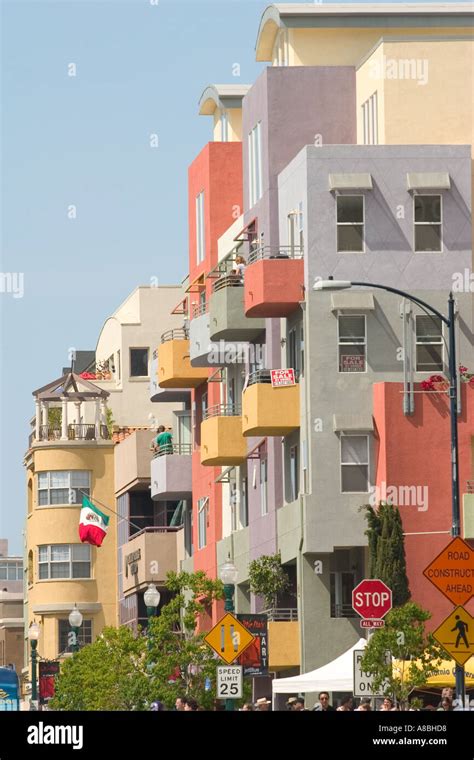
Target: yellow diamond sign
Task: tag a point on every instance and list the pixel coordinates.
(456, 635)
(229, 638)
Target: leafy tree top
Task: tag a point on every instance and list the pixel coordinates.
(267, 578)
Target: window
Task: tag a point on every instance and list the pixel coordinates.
(63, 487)
(11, 571)
(354, 463)
(294, 349)
(352, 343)
(204, 406)
(294, 473)
(244, 503)
(200, 239)
(84, 635)
(233, 505)
(138, 362)
(428, 220)
(188, 529)
(429, 344)
(263, 486)
(342, 585)
(370, 120)
(202, 521)
(350, 223)
(118, 365)
(302, 347)
(224, 127)
(255, 165)
(64, 561)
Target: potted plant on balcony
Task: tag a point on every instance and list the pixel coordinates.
(267, 578)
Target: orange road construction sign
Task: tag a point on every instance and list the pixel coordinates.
(229, 638)
(452, 571)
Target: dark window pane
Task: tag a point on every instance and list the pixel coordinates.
(60, 570)
(350, 238)
(81, 570)
(43, 571)
(429, 358)
(352, 358)
(427, 237)
(428, 328)
(355, 478)
(351, 327)
(427, 208)
(350, 208)
(42, 498)
(59, 496)
(138, 362)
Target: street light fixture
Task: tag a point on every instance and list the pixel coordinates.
(75, 621)
(152, 599)
(449, 321)
(33, 636)
(228, 575)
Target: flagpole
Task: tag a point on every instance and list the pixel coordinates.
(134, 525)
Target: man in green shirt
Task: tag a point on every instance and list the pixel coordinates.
(164, 440)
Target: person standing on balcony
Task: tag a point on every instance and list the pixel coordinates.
(239, 267)
(164, 440)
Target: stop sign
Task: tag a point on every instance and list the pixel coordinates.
(372, 599)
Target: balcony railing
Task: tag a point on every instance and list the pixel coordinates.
(264, 376)
(342, 611)
(223, 410)
(228, 281)
(286, 614)
(470, 486)
(179, 333)
(156, 529)
(174, 448)
(276, 252)
(75, 432)
(198, 309)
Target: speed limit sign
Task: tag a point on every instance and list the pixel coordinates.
(229, 681)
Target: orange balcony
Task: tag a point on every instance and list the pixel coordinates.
(274, 281)
(174, 365)
(283, 639)
(267, 410)
(222, 442)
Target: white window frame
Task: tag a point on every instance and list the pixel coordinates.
(6, 565)
(347, 464)
(224, 120)
(203, 506)
(255, 164)
(200, 229)
(370, 120)
(431, 343)
(74, 499)
(264, 486)
(49, 562)
(139, 348)
(351, 224)
(430, 224)
(339, 344)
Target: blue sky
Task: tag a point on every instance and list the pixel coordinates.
(85, 141)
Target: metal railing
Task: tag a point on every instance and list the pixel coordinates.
(264, 376)
(222, 410)
(282, 614)
(470, 486)
(198, 309)
(342, 611)
(179, 333)
(156, 529)
(75, 432)
(228, 281)
(173, 448)
(275, 252)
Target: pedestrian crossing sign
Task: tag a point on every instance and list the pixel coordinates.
(456, 635)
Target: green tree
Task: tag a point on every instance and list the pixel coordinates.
(415, 651)
(267, 578)
(106, 675)
(387, 550)
(54, 417)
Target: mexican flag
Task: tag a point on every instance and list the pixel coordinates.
(93, 523)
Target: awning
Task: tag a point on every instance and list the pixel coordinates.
(224, 476)
(253, 453)
(199, 280)
(238, 238)
(428, 181)
(344, 301)
(355, 422)
(181, 307)
(350, 182)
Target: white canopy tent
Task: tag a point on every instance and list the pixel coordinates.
(337, 675)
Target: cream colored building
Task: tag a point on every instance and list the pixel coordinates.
(66, 459)
(125, 349)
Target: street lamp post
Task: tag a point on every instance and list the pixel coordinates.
(75, 621)
(33, 636)
(228, 575)
(151, 598)
(449, 321)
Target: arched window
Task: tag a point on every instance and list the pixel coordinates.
(30, 568)
(30, 496)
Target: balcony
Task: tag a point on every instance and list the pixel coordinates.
(274, 281)
(174, 366)
(171, 473)
(222, 442)
(164, 395)
(269, 411)
(283, 638)
(227, 316)
(155, 548)
(200, 337)
(132, 459)
(81, 432)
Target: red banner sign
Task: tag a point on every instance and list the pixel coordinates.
(281, 377)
